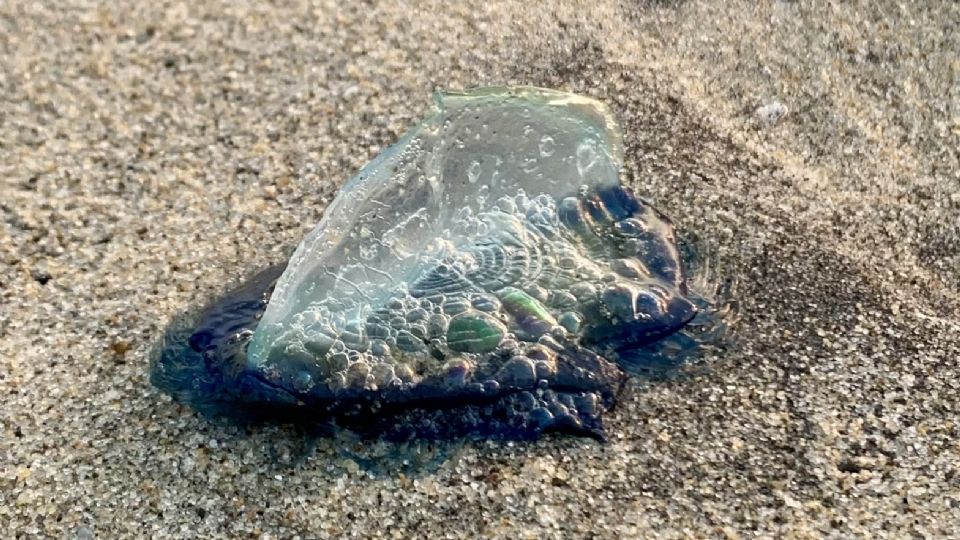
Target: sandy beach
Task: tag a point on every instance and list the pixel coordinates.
(153, 153)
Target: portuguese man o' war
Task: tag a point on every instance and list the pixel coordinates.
(486, 276)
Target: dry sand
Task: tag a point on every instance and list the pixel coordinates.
(151, 152)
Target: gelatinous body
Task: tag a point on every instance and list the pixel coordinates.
(487, 275)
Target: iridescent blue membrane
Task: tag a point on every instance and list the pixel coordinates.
(488, 276)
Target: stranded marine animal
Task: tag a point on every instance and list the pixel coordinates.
(487, 275)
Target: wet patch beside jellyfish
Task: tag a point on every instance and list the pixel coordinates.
(487, 276)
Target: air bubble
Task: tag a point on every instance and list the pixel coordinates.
(586, 157)
(473, 173)
(547, 146)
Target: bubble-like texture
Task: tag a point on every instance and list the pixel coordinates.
(483, 276)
